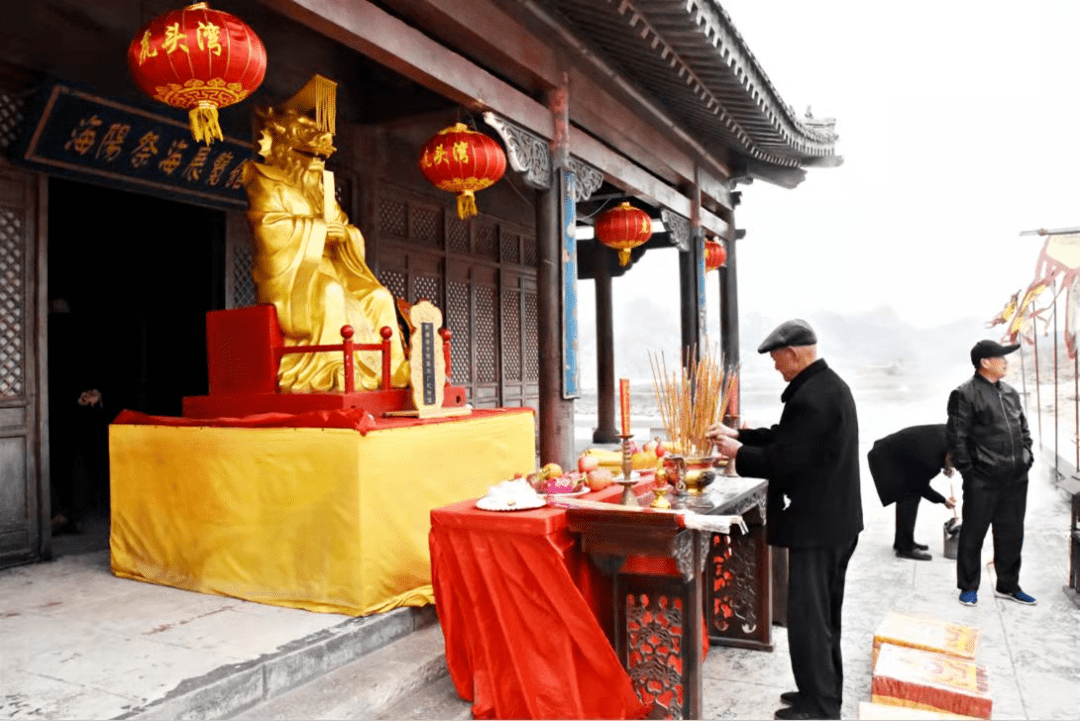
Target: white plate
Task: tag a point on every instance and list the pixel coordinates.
(505, 503)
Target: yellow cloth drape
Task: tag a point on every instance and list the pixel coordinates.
(316, 518)
(316, 284)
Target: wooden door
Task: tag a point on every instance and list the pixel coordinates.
(24, 501)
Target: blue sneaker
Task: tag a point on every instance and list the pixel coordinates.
(969, 598)
(1019, 597)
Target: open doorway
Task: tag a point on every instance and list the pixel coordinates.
(130, 280)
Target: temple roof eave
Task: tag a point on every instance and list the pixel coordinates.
(689, 54)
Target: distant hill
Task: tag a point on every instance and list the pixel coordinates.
(877, 338)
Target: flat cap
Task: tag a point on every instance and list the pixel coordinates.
(990, 349)
(788, 333)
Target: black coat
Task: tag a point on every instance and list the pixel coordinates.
(987, 432)
(812, 457)
(904, 463)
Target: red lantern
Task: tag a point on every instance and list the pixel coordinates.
(462, 161)
(715, 255)
(199, 59)
(624, 228)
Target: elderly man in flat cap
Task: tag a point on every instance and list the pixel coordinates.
(988, 439)
(814, 508)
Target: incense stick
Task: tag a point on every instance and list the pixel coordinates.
(692, 399)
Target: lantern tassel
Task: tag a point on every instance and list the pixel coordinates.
(466, 204)
(204, 124)
(624, 256)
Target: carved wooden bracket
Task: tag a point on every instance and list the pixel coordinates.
(678, 228)
(530, 155)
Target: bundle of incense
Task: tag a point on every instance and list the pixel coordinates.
(691, 400)
(684, 518)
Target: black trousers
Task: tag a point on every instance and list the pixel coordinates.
(907, 511)
(997, 506)
(815, 600)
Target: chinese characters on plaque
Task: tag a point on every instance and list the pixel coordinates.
(79, 135)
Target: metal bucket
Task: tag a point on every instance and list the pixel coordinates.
(952, 538)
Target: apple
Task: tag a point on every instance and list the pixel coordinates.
(655, 447)
(551, 470)
(586, 462)
(599, 479)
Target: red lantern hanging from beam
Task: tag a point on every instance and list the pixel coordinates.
(198, 59)
(715, 255)
(624, 228)
(462, 161)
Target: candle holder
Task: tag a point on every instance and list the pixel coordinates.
(626, 481)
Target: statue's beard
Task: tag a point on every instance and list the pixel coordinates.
(293, 163)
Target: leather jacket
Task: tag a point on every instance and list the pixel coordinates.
(987, 433)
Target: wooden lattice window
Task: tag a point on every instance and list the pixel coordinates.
(530, 252)
(457, 320)
(243, 283)
(486, 338)
(12, 311)
(485, 240)
(530, 343)
(424, 225)
(426, 287)
(396, 282)
(11, 117)
(510, 247)
(511, 334)
(457, 234)
(393, 217)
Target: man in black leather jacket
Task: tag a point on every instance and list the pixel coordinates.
(814, 508)
(990, 445)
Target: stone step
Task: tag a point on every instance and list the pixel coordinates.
(232, 689)
(438, 700)
(364, 688)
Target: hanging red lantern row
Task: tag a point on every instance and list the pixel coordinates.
(462, 161)
(715, 255)
(198, 59)
(624, 228)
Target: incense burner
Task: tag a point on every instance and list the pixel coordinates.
(691, 474)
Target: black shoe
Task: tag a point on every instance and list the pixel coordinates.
(789, 712)
(791, 698)
(914, 554)
(916, 546)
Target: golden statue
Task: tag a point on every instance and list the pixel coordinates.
(309, 260)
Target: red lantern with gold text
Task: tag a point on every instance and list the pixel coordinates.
(623, 229)
(462, 161)
(715, 255)
(198, 59)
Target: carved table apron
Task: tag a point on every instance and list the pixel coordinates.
(738, 577)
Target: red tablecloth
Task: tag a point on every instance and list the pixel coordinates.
(521, 609)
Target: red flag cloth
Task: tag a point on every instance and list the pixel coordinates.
(521, 609)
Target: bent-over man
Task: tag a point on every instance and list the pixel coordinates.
(903, 464)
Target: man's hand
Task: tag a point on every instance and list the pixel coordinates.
(718, 430)
(727, 446)
(950, 503)
(91, 397)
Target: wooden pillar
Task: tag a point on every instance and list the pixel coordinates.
(729, 310)
(556, 412)
(691, 283)
(605, 431)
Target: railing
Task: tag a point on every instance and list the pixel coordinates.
(348, 347)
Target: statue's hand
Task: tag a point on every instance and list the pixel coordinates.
(335, 231)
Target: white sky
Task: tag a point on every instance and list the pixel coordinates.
(958, 125)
